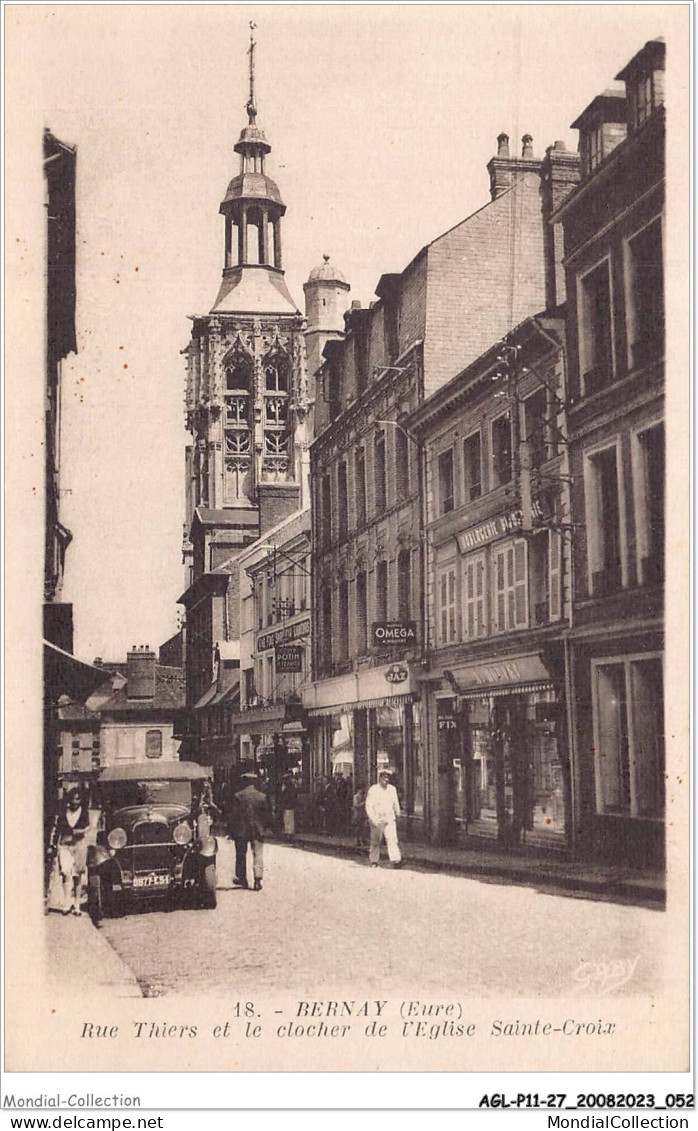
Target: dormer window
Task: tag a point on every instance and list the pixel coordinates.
(602, 126)
(595, 148)
(644, 99)
(644, 82)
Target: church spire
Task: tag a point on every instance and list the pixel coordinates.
(251, 106)
(253, 209)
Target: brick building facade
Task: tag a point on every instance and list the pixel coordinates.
(498, 595)
(613, 238)
(461, 293)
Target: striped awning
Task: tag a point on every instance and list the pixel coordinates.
(361, 705)
(515, 689)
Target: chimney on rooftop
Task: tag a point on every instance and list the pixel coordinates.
(140, 673)
(505, 169)
(559, 175)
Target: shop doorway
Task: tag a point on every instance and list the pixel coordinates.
(507, 776)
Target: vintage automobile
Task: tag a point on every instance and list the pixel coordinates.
(154, 840)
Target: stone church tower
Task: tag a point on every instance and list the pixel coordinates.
(247, 386)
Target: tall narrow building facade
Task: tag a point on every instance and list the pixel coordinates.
(246, 389)
(246, 408)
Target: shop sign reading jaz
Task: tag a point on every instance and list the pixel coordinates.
(394, 632)
(289, 658)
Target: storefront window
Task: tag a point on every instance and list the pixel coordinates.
(484, 792)
(342, 749)
(547, 805)
(629, 736)
(389, 744)
(513, 784)
(417, 768)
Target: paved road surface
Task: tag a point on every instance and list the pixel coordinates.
(322, 923)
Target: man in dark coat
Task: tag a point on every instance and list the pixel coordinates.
(247, 822)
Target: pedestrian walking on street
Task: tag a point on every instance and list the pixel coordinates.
(248, 819)
(206, 811)
(289, 795)
(358, 815)
(320, 804)
(382, 810)
(69, 844)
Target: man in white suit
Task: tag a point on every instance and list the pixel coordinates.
(382, 810)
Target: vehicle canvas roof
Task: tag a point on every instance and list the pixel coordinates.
(154, 771)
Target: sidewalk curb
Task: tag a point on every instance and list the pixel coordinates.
(649, 893)
(79, 954)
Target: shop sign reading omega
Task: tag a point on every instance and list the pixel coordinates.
(394, 632)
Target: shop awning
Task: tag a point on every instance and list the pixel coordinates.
(64, 674)
(503, 675)
(260, 720)
(361, 705)
(519, 689)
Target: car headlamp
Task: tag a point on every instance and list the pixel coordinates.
(117, 838)
(182, 834)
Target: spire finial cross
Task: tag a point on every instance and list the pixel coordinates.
(251, 107)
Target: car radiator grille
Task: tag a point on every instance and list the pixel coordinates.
(150, 858)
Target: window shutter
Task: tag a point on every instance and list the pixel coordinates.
(475, 597)
(470, 600)
(520, 586)
(480, 597)
(510, 587)
(555, 574)
(499, 591)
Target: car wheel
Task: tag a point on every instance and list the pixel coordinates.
(208, 886)
(96, 898)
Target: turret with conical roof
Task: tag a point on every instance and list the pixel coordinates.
(252, 273)
(325, 302)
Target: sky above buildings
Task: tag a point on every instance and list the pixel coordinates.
(381, 121)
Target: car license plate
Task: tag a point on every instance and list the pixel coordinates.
(152, 880)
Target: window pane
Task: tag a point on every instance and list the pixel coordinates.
(501, 449)
(647, 295)
(596, 330)
(379, 472)
(613, 749)
(535, 425)
(648, 736)
(446, 481)
(342, 500)
(153, 743)
(472, 464)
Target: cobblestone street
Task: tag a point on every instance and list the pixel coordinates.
(323, 923)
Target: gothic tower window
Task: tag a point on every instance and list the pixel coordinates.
(238, 440)
(277, 384)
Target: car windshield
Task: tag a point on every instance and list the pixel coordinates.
(122, 794)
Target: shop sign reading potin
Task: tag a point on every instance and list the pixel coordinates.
(289, 658)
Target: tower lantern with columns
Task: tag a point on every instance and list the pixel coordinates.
(247, 389)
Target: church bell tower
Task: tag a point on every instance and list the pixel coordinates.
(247, 385)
